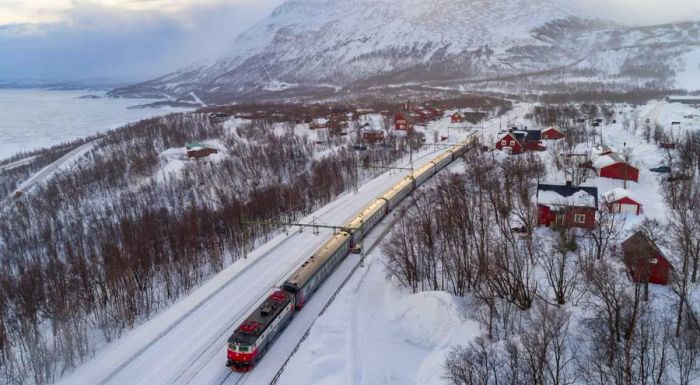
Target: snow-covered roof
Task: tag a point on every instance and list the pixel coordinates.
(616, 194)
(513, 134)
(367, 130)
(579, 199)
(606, 160)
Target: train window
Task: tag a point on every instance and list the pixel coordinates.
(243, 349)
(232, 347)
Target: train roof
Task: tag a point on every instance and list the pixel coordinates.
(366, 212)
(423, 168)
(398, 187)
(256, 323)
(314, 263)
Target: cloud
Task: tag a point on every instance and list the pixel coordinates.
(642, 12)
(123, 40)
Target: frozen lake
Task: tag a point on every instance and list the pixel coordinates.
(34, 118)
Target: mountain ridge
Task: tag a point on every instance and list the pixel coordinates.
(343, 47)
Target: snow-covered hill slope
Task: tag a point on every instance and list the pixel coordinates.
(347, 45)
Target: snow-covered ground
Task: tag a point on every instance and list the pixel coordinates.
(185, 343)
(33, 118)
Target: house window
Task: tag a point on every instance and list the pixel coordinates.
(579, 218)
(503, 143)
(653, 261)
(512, 143)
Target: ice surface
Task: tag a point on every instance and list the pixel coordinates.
(33, 118)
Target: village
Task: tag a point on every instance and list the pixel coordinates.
(592, 247)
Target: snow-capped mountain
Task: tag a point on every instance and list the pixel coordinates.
(350, 46)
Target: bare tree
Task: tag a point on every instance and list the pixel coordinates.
(561, 267)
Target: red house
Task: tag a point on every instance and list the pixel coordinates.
(372, 136)
(517, 142)
(403, 121)
(510, 142)
(197, 150)
(433, 112)
(420, 115)
(644, 261)
(614, 167)
(457, 118)
(567, 205)
(552, 133)
(620, 201)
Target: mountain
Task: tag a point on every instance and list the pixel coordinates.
(339, 48)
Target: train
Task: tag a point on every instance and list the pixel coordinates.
(252, 338)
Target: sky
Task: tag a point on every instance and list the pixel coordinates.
(117, 40)
(131, 40)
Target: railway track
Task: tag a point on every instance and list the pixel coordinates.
(328, 303)
(180, 319)
(213, 349)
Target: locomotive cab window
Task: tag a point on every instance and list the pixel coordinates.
(243, 349)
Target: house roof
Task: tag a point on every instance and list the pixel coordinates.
(195, 146)
(533, 135)
(367, 130)
(406, 115)
(617, 194)
(517, 135)
(638, 243)
(563, 195)
(605, 150)
(552, 128)
(607, 160)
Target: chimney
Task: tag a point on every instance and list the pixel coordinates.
(569, 182)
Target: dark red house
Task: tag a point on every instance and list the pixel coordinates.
(567, 205)
(372, 135)
(614, 167)
(457, 118)
(552, 133)
(644, 261)
(196, 150)
(403, 121)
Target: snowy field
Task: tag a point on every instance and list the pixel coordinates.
(32, 118)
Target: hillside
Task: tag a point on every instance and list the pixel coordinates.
(329, 48)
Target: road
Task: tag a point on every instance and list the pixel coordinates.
(17, 163)
(49, 170)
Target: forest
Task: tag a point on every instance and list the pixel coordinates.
(108, 242)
